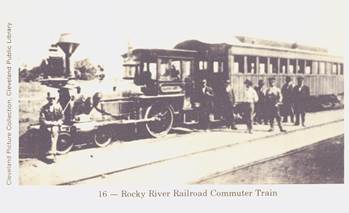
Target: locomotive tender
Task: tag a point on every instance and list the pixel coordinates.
(161, 84)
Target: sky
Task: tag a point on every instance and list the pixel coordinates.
(105, 28)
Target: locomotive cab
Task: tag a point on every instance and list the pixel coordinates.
(159, 71)
(165, 77)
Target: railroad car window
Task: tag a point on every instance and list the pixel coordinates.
(251, 64)
(307, 68)
(334, 69)
(341, 69)
(315, 67)
(263, 69)
(186, 68)
(170, 70)
(217, 66)
(150, 67)
(292, 66)
(322, 68)
(273, 65)
(202, 65)
(328, 68)
(283, 64)
(301, 66)
(239, 64)
(221, 66)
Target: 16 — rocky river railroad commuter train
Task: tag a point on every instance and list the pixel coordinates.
(193, 84)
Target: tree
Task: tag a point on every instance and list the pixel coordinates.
(33, 74)
(85, 70)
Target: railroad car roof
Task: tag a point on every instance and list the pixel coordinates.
(262, 50)
(205, 49)
(265, 48)
(154, 53)
(278, 44)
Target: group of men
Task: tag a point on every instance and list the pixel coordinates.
(261, 104)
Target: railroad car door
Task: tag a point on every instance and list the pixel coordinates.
(218, 78)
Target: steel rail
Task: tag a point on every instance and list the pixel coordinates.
(254, 163)
(105, 174)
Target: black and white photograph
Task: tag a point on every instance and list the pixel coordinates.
(242, 95)
(252, 111)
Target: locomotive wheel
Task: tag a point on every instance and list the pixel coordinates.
(102, 138)
(64, 143)
(163, 122)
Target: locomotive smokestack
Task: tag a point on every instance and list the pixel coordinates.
(68, 45)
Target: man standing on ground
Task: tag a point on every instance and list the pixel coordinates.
(301, 96)
(205, 100)
(227, 105)
(260, 105)
(51, 117)
(250, 98)
(287, 102)
(273, 100)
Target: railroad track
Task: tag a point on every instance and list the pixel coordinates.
(106, 174)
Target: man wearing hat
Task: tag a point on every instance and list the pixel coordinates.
(206, 104)
(250, 98)
(301, 95)
(226, 104)
(51, 117)
(273, 100)
(260, 105)
(287, 102)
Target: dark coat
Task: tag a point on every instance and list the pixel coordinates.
(47, 115)
(206, 98)
(287, 93)
(301, 96)
(231, 96)
(261, 95)
(226, 97)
